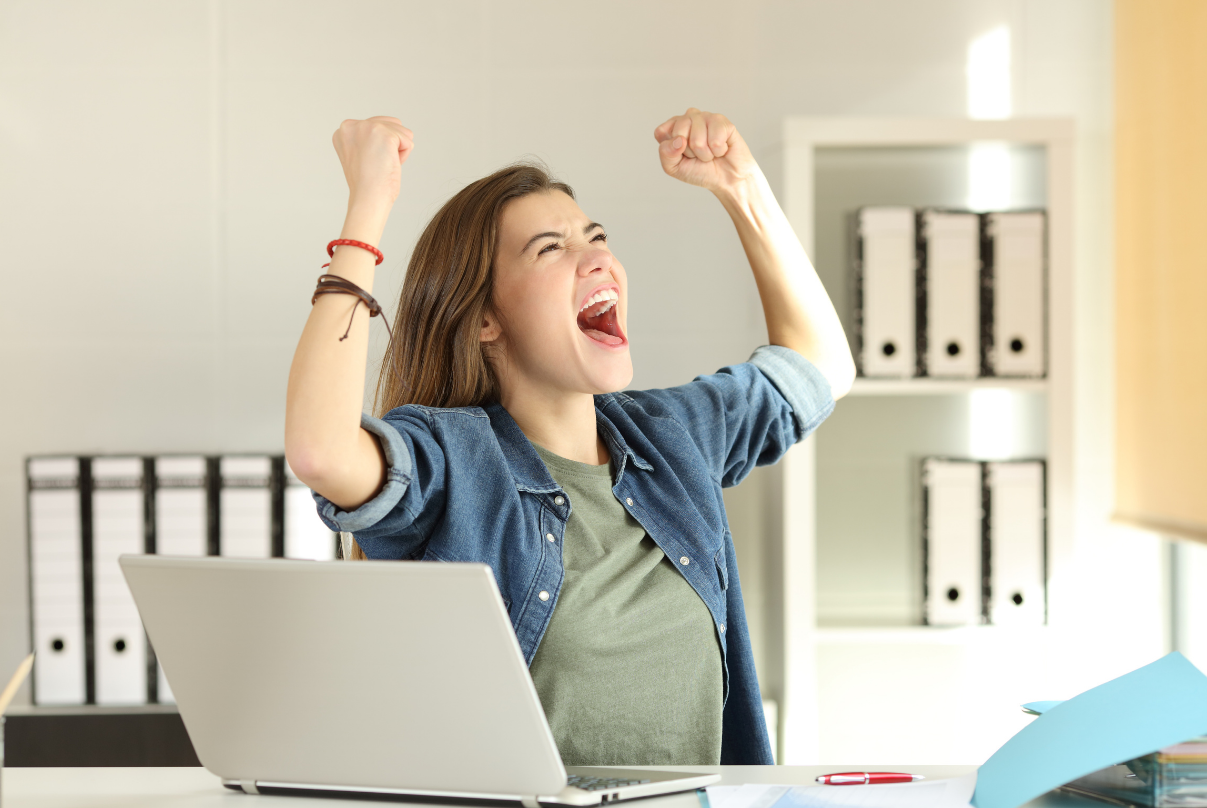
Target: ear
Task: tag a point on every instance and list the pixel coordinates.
(491, 328)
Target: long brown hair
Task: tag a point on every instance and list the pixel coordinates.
(437, 358)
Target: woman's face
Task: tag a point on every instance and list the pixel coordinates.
(562, 299)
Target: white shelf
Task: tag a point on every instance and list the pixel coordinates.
(923, 635)
(929, 387)
(90, 709)
(910, 663)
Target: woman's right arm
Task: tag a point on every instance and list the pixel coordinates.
(324, 442)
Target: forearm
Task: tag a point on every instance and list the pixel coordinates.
(797, 309)
(323, 440)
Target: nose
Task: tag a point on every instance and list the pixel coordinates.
(594, 260)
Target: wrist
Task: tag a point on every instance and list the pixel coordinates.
(745, 197)
(366, 221)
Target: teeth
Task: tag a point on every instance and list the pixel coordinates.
(599, 297)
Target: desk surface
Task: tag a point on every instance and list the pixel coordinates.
(197, 788)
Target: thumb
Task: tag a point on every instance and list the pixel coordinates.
(670, 153)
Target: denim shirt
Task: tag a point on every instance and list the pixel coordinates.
(464, 484)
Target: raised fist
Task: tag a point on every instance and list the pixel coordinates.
(705, 149)
(372, 152)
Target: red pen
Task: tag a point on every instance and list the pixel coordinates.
(865, 778)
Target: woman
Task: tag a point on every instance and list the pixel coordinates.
(504, 439)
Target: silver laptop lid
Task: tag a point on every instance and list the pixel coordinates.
(364, 674)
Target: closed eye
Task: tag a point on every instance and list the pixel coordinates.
(553, 245)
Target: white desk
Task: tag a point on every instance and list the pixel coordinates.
(197, 788)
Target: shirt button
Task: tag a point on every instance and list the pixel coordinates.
(549, 536)
(559, 500)
(722, 628)
(544, 595)
(628, 500)
(684, 560)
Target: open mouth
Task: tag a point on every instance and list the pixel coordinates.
(597, 318)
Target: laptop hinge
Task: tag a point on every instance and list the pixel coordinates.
(249, 786)
(529, 802)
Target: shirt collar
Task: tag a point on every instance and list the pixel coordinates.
(526, 465)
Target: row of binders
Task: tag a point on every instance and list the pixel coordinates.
(84, 512)
(984, 539)
(950, 294)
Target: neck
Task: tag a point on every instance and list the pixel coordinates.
(563, 424)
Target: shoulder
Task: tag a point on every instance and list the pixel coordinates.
(419, 412)
(667, 401)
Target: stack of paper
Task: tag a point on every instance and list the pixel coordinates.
(1155, 708)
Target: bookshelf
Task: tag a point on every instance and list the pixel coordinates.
(930, 387)
(851, 554)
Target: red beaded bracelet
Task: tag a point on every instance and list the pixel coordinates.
(353, 243)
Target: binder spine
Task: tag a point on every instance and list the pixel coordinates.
(245, 506)
(1016, 497)
(86, 559)
(986, 545)
(213, 505)
(149, 526)
(857, 292)
(952, 541)
(1044, 327)
(988, 361)
(149, 486)
(926, 548)
(56, 580)
(31, 594)
(1016, 241)
(951, 252)
(1043, 493)
(921, 321)
(276, 487)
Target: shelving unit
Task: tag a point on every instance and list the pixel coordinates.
(931, 387)
(850, 555)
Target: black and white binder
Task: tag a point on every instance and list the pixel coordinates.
(245, 523)
(84, 512)
(119, 644)
(885, 291)
(305, 534)
(180, 522)
(952, 542)
(1016, 279)
(1015, 514)
(56, 580)
(180, 505)
(950, 276)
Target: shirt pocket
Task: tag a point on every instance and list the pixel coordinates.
(719, 559)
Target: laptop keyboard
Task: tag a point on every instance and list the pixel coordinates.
(600, 783)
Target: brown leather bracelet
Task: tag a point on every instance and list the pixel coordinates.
(335, 285)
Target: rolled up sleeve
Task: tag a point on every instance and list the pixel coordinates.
(398, 477)
(801, 384)
(746, 415)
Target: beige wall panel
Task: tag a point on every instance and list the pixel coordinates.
(1161, 218)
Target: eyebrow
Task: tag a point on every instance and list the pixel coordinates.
(551, 234)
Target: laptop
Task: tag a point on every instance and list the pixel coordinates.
(375, 677)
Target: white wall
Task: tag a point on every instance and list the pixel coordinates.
(167, 185)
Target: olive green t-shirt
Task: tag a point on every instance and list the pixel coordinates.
(629, 668)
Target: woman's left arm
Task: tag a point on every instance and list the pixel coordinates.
(705, 149)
